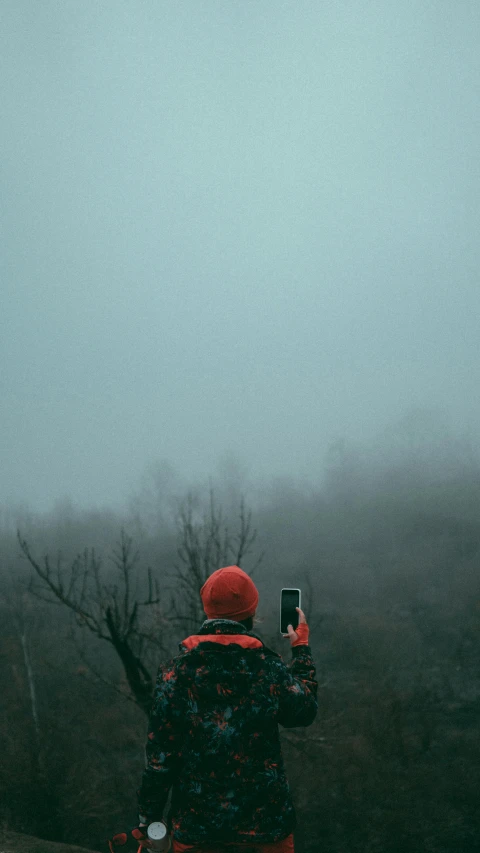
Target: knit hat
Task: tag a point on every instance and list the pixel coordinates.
(229, 593)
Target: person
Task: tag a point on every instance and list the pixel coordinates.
(213, 731)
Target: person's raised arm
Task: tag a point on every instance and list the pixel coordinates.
(298, 690)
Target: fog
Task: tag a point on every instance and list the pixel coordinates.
(387, 555)
(234, 236)
(240, 260)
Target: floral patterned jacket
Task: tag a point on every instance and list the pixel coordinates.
(213, 737)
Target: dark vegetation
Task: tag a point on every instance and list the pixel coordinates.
(16, 842)
(388, 557)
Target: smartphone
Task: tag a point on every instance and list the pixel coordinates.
(289, 600)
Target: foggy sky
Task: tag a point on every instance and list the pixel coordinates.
(238, 229)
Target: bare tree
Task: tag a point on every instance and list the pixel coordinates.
(111, 610)
(20, 611)
(205, 543)
(115, 612)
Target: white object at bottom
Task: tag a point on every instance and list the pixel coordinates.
(158, 836)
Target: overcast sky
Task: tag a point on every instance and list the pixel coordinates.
(237, 229)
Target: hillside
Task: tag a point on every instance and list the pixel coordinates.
(13, 842)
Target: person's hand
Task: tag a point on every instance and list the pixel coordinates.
(140, 835)
(118, 840)
(300, 636)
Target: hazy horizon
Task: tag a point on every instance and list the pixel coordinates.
(232, 236)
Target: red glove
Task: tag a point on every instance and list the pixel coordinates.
(118, 840)
(140, 836)
(139, 833)
(302, 633)
(299, 637)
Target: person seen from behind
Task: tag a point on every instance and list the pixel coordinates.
(213, 731)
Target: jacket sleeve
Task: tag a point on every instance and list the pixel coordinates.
(163, 749)
(298, 690)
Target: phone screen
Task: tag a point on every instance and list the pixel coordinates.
(288, 615)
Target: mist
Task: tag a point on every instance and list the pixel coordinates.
(244, 231)
(240, 286)
(387, 558)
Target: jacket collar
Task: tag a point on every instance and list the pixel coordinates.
(222, 626)
(225, 632)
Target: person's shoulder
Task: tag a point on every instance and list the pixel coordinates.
(273, 660)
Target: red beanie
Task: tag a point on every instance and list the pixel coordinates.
(229, 593)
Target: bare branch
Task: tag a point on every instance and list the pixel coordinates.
(109, 611)
(205, 543)
(99, 677)
(57, 588)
